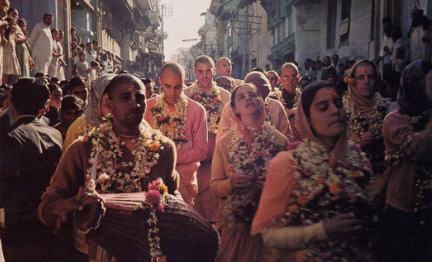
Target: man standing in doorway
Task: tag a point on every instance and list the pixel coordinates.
(41, 43)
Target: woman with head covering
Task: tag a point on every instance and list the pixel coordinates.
(238, 173)
(366, 110)
(93, 112)
(314, 198)
(274, 110)
(407, 136)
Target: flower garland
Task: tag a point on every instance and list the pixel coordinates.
(290, 104)
(107, 173)
(212, 104)
(253, 160)
(321, 192)
(155, 200)
(171, 124)
(358, 123)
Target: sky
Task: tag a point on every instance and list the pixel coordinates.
(184, 22)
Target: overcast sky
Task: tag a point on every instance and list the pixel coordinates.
(183, 23)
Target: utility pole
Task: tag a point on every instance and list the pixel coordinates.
(166, 12)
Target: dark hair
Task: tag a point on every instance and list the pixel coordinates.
(76, 81)
(29, 95)
(47, 15)
(204, 59)
(95, 42)
(21, 21)
(308, 94)
(10, 10)
(72, 101)
(39, 74)
(123, 79)
(146, 80)
(94, 63)
(53, 87)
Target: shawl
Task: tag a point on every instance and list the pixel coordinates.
(92, 110)
(412, 97)
(363, 105)
(242, 128)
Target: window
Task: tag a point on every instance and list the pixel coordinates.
(331, 23)
(344, 25)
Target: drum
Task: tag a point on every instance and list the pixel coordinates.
(112, 222)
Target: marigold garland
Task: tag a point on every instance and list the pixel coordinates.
(212, 104)
(171, 124)
(253, 160)
(321, 192)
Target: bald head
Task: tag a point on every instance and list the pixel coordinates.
(173, 67)
(260, 81)
(223, 66)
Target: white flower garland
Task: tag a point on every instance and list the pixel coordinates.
(107, 174)
(171, 124)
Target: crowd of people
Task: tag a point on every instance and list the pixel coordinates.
(312, 164)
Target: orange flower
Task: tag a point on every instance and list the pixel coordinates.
(320, 179)
(356, 174)
(172, 124)
(302, 200)
(335, 189)
(154, 147)
(300, 256)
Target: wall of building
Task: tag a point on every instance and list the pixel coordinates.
(308, 29)
(260, 43)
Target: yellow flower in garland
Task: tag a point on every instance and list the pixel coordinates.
(171, 124)
(212, 104)
(107, 173)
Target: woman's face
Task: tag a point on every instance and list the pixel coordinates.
(247, 101)
(14, 16)
(365, 79)
(273, 79)
(327, 114)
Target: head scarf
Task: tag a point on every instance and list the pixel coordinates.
(412, 97)
(92, 110)
(239, 125)
(362, 104)
(305, 129)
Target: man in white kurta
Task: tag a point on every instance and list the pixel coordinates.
(41, 44)
(183, 120)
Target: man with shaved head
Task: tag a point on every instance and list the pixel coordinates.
(183, 120)
(205, 91)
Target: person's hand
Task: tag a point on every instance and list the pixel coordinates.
(367, 138)
(342, 225)
(239, 180)
(66, 206)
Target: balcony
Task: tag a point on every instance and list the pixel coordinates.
(155, 18)
(144, 5)
(284, 47)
